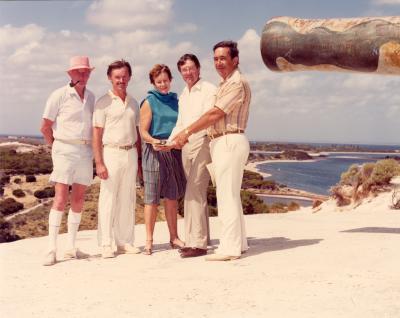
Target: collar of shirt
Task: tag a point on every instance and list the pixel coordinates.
(113, 96)
(234, 77)
(72, 91)
(195, 87)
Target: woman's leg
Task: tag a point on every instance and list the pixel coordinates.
(150, 215)
(171, 212)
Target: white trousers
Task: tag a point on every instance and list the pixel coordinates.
(229, 154)
(117, 200)
(195, 158)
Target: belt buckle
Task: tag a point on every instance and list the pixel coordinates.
(126, 147)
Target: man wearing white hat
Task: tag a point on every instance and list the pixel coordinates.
(67, 128)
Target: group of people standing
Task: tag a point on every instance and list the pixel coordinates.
(173, 144)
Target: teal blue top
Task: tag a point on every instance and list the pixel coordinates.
(164, 109)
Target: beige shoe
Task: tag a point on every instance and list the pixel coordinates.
(128, 249)
(107, 252)
(219, 257)
(50, 258)
(75, 253)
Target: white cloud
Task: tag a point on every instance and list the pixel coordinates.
(12, 37)
(186, 28)
(128, 14)
(386, 2)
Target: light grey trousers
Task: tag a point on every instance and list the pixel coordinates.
(195, 157)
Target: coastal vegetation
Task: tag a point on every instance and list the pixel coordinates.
(360, 182)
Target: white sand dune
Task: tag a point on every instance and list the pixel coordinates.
(300, 264)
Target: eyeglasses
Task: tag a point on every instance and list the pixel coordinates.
(188, 69)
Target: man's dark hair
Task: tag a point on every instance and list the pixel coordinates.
(186, 57)
(117, 65)
(233, 50)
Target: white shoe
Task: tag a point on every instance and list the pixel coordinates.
(50, 258)
(128, 249)
(107, 252)
(75, 253)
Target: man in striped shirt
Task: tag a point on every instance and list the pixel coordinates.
(229, 147)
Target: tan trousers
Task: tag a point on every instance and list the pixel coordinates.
(117, 199)
(229, 154)
(195, 157)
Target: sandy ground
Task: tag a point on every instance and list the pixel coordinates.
(300, 264)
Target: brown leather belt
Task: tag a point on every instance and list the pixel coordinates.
(125, 147)
(237, 131)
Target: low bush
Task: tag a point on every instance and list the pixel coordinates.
(360, 181)
(18, 193)
(293, 206)
(17, 180)
(5, 179)
(6, 231)
(47, 192)
(30, 178)
(9, 206)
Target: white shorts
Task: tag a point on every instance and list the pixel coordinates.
(71, 163)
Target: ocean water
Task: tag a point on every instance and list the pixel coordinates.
(317, 176)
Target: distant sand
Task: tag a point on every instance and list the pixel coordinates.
(300, 264)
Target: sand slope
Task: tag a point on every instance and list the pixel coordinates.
(301, 264)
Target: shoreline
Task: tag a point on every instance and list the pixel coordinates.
(288, 193)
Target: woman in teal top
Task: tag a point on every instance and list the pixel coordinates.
(162, 166)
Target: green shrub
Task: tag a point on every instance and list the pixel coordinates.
(5, 179)
(293, 206)
(383, 171)
(9, 206)
(351, 176)
(17, 180)
(358, 182)
(47, 192)
(30, 178)
(18, 193)
(6, 231)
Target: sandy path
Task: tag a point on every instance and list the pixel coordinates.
(301, 264)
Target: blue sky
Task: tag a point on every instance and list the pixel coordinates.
(38, 37)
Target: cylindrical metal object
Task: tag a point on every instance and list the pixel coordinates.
(359, 44)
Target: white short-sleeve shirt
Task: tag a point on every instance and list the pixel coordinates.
(119, 119)
(192, 105)
(72, 117)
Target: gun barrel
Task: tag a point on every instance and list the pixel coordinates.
(369, 45)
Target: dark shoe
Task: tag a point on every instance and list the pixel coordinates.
(193, 252)
(184, 249)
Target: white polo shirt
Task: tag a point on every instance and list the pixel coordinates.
(72, 118)
(119, 119)
(193, 104)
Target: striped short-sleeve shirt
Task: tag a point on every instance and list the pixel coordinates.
(233, 98)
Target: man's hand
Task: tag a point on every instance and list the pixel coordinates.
(101, 171)
(181, 139)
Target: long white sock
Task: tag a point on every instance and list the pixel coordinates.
(74, 219)
(54, 227)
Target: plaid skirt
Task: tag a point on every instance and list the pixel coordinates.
(163, 174)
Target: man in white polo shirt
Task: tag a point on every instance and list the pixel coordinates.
(197, 97)
(116, 145)
(67, 128)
